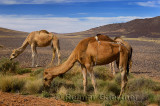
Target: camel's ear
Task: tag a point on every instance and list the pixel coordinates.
(13, 50)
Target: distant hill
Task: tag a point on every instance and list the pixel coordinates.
(9, 32)
(149, 27)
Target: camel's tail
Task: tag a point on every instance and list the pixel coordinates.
(129, 61)
(55, 42)
(58, 44)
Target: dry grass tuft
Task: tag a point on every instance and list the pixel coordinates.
(33, 86)
(11, 84)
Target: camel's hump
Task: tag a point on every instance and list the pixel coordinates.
(44, 31)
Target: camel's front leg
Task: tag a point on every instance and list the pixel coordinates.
(36, 58)
(112, 68)
(84, 72)
(33, 48)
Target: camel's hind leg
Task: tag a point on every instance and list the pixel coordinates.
(53, 56)
(59, 55)
(56, 48)
(93, 79)
(84, 72)
(123, 69)
(89, 67)
(123, 80)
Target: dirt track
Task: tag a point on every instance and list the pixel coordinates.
(146, 62)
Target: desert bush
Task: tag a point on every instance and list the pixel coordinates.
(33, 86)
(140, 98)
(7, 65)
(11, 84)
(75, 71)
(142, 84)
(22, 71)
(142, 89)
(36, 72)
(103, 73)
(118, 78)
(45, 94)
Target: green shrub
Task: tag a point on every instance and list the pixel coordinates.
(11, 84)
(141, 84)
(8, 65)
(46, 94)
(140, 98)
(34, 73)
(118, 78)
(22, 71)
(101, 72)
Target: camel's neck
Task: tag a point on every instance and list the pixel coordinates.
(23, 47)
(66, 66)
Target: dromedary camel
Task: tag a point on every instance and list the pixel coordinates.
(90, 52)
(129, 48)
(35, 39)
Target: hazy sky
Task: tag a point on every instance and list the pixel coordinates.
(65, 16)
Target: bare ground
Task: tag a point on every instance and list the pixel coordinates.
(146, 62)
(9, 99)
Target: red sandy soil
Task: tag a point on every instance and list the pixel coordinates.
(9, 99)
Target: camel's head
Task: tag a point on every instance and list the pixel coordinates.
(118, 39)
(14, 54)
(47, 79)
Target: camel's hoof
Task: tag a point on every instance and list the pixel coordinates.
(119, 96)
(114, 74)
(37, 65)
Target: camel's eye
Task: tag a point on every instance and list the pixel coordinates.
(13, 54)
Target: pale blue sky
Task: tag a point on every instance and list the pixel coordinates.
(64, 16)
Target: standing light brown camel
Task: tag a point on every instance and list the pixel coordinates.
(89, 53)
(129, 48)
(35, 39)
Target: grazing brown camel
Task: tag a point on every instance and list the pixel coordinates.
(90, 52)
(35, 39)
(129, 48)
